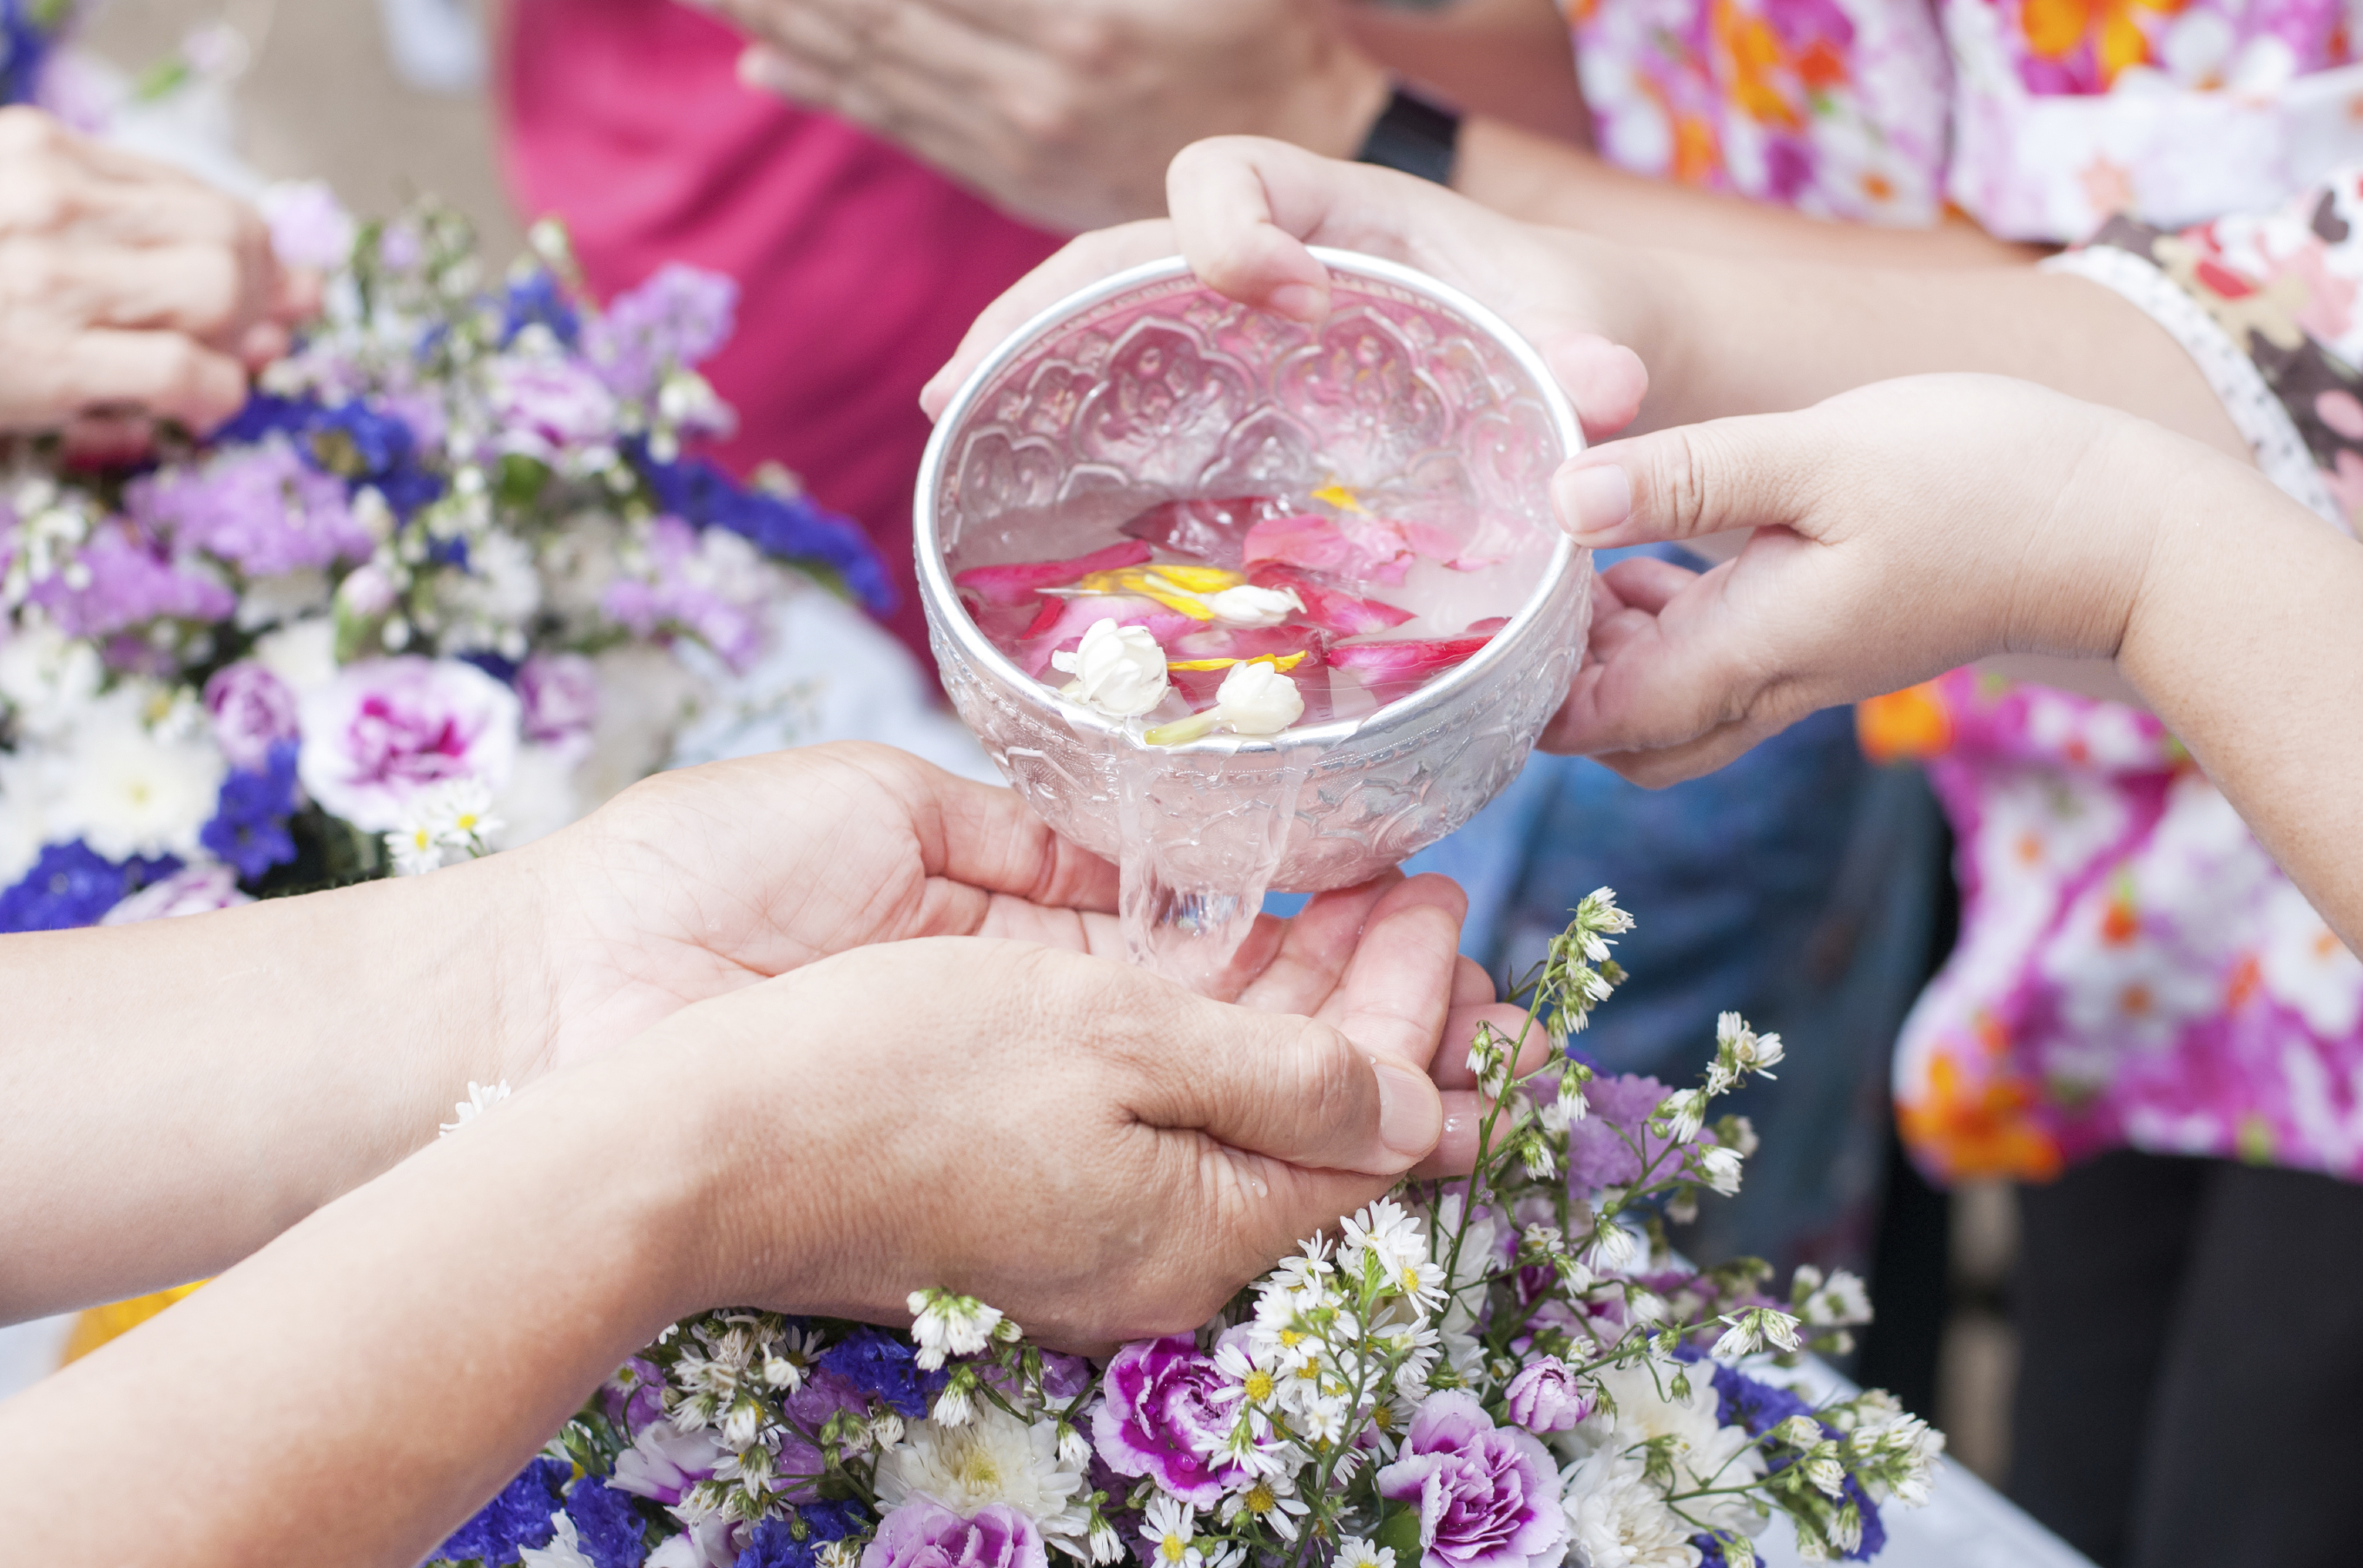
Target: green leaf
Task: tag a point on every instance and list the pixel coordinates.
(1400, 1530)
(522, 479)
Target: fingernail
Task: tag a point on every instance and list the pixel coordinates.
(1594, 500)
(1298, 302)
(1411, 1114)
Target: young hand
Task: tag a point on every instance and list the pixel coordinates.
(1900, 530)
(130, 291)
(1245, 209)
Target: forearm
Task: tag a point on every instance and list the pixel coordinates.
(1550, 179)
(2247, 641)
(181, 1092)
(1727, 337)
(360, 1386)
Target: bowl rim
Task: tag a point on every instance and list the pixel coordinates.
(935, 576)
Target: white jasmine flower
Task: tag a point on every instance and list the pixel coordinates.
(947, 1324)
(1171, 1528)
(996, 1458)
(1355, 1552)
(1120, 671)
(479, 1099)
(1617, 1519)
(1250, 606)
(565, 1550)
(1255, 698)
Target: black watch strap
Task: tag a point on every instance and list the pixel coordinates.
(1414, 136)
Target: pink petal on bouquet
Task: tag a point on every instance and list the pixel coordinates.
(1076, 615)
(1415, 660)
(1361, 549)
(1214, 529)
(1339, 613)
(1001, 587)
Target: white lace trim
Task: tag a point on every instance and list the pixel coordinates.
(2256, 413)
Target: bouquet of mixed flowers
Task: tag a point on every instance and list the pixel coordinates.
(28, 30)
(445, 582)
(1513, 1370)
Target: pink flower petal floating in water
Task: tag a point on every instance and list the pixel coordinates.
(1490, 624)
(1214, 529)
(1075, 616)
(1339, 613)
(1001, 587)
(1412, 660)
(1362, 549)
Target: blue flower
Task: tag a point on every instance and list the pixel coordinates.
(880, 1364)
(352, 440)
(775, 1544)
(24, 49)
(1757, 1407)
(518, 1518)
(72, 884)
(794, 527)
(607, 1525)
(250, 826)
(1710, 1551)
(536, 300)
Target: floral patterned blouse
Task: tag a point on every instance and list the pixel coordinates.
(2133, 969)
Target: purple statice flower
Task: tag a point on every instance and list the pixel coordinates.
(1607, 1147)
(560, 693)
(882, 1364)
(608, 1525)
(677, 599)
(798, 1465)
(773, 1543)
(1757, 1407)
(1159, 1401)
(1547, 1398)
(248, 829)
(638, 1401)
(131, 582)
(72, 884)
(252, 711)
(263, 509)
(545, 408)
(923, 1533)
(518, 1516)
(359, 443)
(535, 300)
(1488, 1495)
(678, 317)
(381, 732)
(193, 890)
(792, 527)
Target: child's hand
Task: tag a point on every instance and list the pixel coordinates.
(1902, 529)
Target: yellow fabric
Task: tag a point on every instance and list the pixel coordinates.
(100, 1324)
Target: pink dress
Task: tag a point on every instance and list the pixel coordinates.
(2133, 969)
(861, 268)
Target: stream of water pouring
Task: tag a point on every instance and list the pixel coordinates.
(1196, 863)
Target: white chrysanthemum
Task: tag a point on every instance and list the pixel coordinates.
(1704, 1452)
(1394, 1237)
(996, 1458)
(1615, 1518)
(565, 1550)
(1172, 1530)
(1355, 1552)
(132, 791)
(48, 679)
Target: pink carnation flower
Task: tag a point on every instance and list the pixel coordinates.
(379, 733)
(924, 1533)
(1488, 1495)
(561, 696)
(199, 890)
(252, 711)
(544, 408)
(1159, 1402)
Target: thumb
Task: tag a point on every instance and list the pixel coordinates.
(1757, 471)
(1293, 1091)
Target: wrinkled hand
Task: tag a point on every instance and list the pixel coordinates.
(695, 883)
(1900, 530)
(1245, 209)
(1097, 1152)
(1066, 112)
(129, 293)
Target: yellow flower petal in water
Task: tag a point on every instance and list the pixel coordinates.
(1338, 496)
(1278, 661)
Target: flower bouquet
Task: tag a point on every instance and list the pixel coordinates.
(1512, 1371)
(447, 582)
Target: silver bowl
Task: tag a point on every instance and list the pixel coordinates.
(1148, 386)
